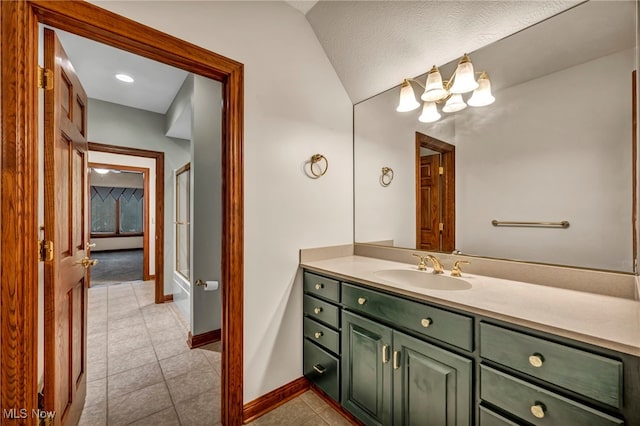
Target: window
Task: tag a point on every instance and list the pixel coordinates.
(117, 211)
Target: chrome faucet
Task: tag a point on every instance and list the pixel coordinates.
(437, 266)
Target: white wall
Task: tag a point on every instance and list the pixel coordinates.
(295, 107)
(134, 128)
(206, 206)
(531, 156)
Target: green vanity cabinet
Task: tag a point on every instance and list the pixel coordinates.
(391, 378)
(366, 369)
(393, 360)
(432, 386)
(321, 333)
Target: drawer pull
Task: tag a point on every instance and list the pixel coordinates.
(318, 334)
(317, 310)
(536, 360)
(362, 300)
(538, 410)
(396, 360)
(426, 322)
(319, 369)
(385, 354)
(319, 286)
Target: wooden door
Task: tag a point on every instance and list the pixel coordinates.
(66, 225)
(431, 385)
(366, 369)
(429, 204)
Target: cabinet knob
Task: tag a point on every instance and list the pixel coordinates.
(318, 334)
(319, 286)
(319, 369)
(426, 322)
(536, 360)
(317, 310)
(362, 300)
(538, 410)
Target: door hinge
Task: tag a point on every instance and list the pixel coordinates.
(45, 250)
(441, 226)
(45, 78)
(440, 170)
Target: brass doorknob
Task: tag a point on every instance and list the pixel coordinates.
(538, 410)
(86, 262)
(536, 360)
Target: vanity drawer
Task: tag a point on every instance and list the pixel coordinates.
(320, 286)
(537, 405)
(443, 325)
(321, 311)
(593, 376)
(322, 368)
(324, 336)
(489, 418)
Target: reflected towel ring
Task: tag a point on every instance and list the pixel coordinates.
(386, 177)
(315, 159)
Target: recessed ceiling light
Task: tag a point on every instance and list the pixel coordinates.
(124, 77)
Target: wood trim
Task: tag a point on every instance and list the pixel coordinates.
(336, 406)
(168, 298)
(18, 193)
(18, 207)
(448, 153)
(272, 400)
(158, 156)
(203, 338)
(634, 167)
(145, 213)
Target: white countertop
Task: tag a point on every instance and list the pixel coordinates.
(605, 321)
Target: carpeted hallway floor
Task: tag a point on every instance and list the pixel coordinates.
(117, 266)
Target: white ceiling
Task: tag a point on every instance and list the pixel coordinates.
(96, 64)
(374, 45)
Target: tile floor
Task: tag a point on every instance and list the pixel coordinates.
(140, 370)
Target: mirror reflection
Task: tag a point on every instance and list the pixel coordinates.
(553, 152)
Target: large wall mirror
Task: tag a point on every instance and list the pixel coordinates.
(557, 145)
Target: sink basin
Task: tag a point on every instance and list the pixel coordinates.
(422, 279)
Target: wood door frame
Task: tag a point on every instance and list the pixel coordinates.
(158, 156)
(448, 202)
(145, 214)
(19, 182)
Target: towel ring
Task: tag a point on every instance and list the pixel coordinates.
(315, 159)
(386, 177)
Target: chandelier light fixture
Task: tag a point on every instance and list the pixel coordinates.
(447, 92)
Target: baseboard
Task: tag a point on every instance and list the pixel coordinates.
(335, 405)
(204, 338)
(168, 298)
(269, 401)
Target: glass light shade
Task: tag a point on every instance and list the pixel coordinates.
(429, 113)
(482, 95)
(434, 90)
(455, 103)
(407, 98)
(464, 80)
(101, 171)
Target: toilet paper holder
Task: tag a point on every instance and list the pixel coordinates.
(207, 285)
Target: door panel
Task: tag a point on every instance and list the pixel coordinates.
(431, 386)
(429, 203)
(66, 225)
(366, 379)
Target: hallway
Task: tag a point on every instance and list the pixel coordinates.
(139, 368)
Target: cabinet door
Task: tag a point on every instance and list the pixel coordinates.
(366, 378)
(432, 386)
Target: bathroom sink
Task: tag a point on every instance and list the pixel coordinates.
(422, 279)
